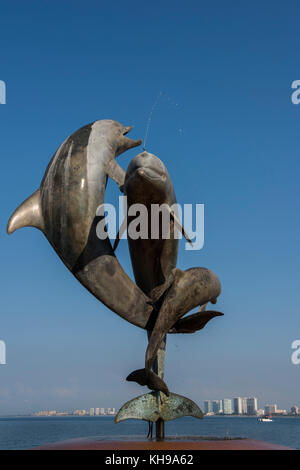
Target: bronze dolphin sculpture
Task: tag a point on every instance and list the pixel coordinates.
(64, 209)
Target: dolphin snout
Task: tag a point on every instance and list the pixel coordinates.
(150, 173)
(125, 142)
(127, 129)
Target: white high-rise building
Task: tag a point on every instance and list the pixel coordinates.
(208, 406)
(244, 406)
(97, 411)
(102, 411)
(238, 405)
(252, 406)
(227, 406)
(92, 411)
(217, 406)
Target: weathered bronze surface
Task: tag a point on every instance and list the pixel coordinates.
(64, 209)
(194, 322)
(150, 407)
(184, 290)
(147, 182)
(190, 288)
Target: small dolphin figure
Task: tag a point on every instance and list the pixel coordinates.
(183, 291)
(64, 209)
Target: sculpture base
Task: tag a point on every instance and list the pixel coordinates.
(183, 443)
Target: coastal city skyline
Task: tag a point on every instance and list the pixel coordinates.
(91, 412)
(245, 406)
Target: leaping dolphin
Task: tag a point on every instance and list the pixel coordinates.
(64, 209)
(183, 291)
(148, 182)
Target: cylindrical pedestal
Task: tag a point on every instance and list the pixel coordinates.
(160, 429)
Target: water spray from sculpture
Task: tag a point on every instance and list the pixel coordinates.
(154, 106)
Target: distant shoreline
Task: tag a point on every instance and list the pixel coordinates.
(55, 416)
(112, 416)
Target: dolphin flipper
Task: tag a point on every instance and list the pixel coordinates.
(178, 224)
(194, 322)
(116, 173)
(28, 214)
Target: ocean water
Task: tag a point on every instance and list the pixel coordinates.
(28, 432)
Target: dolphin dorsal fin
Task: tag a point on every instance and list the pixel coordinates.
(28, 214)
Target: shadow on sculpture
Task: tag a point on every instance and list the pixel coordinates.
(65, 208)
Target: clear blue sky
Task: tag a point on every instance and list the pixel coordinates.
(232, 143)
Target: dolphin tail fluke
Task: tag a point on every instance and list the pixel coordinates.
(149, 378)
(153, 406)
(28, 214)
